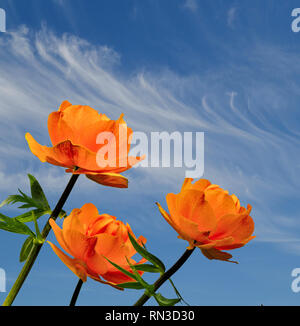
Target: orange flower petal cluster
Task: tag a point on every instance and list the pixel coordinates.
(91, 238)
(73, 131)
(209, 218)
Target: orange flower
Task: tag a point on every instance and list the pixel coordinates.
(89, 238)
(86, 142)
(209, 218)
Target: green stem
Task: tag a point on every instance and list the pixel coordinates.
(164, 277)
(37, 246)
(76, 293)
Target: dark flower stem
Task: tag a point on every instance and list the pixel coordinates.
(76, 293)
(37, 246)
(164, 277)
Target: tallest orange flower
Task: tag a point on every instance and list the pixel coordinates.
(86, 142)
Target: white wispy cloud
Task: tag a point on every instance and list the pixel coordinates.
(231, 16)
(191, 5)
(59, 2)
(246, 148)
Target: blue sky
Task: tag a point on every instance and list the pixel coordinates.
(226, 68)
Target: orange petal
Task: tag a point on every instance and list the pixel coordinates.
(235, 245)
(236, 202)
(167, 217)
(217, 254)
(86, 123)
(98, 279)
(117, 277)
(112, 248)
(109, 179)
(59, 130)
(200, 184)
(100, 224)
(63, 154)
(87, 215)
(59, 235)
(109, 169)
(187, 229)
(186, 183)
(244, 229)
(97, 263)
(38, 150)
(226, 225)
(217, 243)
(240, 227)
(77, 242)
(220, 201)
(64, 105)
(73, 265)
(193, 206)
(68, 221)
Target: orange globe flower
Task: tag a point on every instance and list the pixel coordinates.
(86, 142)
(91, 238)
(209, 218)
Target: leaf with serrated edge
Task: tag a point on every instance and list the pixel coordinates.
(13, 225)
(37, 192)
(27, 217)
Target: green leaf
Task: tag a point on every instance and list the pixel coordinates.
(135, 275)
(177, 292)
(37, 230)
(13, 225)
(27, 217)
(139, 278)
(124, 271)
(144, 253)
(131, 285)
(29, 202)
(147, 268)
(38, 199)
(37, 192)
(39, 237)
(12, 199)
(23, 198)
(162, 301)
(26, 248)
